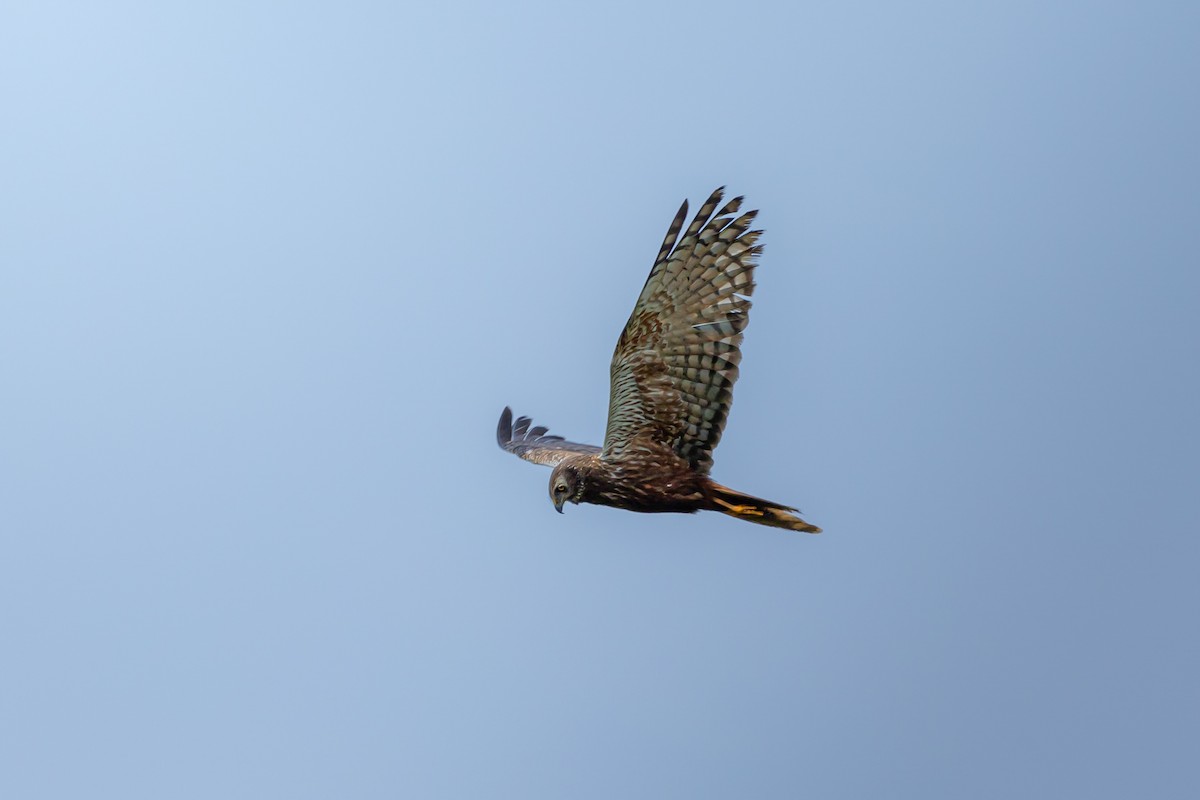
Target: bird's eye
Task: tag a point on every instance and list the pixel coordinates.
(561, 488)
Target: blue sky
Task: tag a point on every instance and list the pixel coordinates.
(268, 276)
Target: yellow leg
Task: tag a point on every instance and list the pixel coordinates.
(745, 511)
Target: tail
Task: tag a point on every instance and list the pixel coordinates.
(754, 509)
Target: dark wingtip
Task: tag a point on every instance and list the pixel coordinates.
(521, 427)
(504, 429)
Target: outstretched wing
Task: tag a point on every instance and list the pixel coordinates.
(677, 359)
(533, 444)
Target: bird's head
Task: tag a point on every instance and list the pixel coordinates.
(566, 483)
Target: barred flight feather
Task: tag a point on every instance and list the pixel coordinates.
(695, 303)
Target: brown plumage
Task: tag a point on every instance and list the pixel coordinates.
(672, 383)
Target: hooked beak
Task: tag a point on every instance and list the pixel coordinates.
(558, 504)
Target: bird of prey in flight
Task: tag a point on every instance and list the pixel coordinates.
(672, 383)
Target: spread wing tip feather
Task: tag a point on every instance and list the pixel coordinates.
(535, 444)
(504, 428)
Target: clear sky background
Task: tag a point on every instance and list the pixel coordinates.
(269, 273)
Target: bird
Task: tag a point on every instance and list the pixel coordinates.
(672, 377)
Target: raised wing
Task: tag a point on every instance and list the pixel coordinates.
(677, 359)
(533, 444)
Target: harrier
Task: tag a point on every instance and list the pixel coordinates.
(672, 383)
